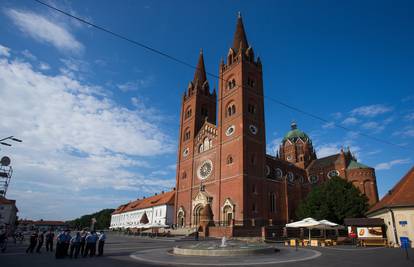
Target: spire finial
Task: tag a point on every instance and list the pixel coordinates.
(293, 125)
(200, 73)
(240, 35)
(239, 15)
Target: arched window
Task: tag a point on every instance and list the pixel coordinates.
(251, 108)
(200, 148)
(231, 109)
(229, 159)
(231, 84)
(206, 144)
(188, 113)
(187, 134)
(272, 202)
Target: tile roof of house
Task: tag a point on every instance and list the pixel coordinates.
(323, 162)
(156, 200)
(4, 200)
(363, 221)
(49, 223)
(402, 194)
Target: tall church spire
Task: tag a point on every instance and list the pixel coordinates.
(240, 39)
(200, 73)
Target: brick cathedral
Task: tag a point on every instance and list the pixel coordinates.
(223, 172)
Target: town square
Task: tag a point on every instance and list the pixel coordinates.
(152, 133)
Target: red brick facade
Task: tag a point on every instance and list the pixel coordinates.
(225, 164)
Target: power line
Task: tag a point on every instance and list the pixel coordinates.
(182, 62)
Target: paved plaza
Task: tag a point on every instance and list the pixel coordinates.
(128, 251)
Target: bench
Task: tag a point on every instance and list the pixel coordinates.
(377, 242)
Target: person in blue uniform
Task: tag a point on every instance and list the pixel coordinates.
(60, 242)
(101, 243)
(75, 245)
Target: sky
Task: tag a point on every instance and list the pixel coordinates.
(99, 116)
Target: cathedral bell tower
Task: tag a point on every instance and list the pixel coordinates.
(241, 127)
(198, 106)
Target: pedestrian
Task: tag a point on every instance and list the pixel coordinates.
(49, 240)
(82, 242)
(33, 242)
(60, 242)
(66, 243)
(40, 240)
(94, 240)
(101, 243)
(75, 245)
(89, 244)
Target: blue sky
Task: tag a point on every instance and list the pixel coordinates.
(99, 116)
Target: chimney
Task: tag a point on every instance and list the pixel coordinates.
(162, 192)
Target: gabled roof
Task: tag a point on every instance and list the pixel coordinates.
(157, 200)
(6, 201)
(356, 165)
(363, 221)
(323, 162)
(402, 194)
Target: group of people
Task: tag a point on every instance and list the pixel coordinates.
(81, 244)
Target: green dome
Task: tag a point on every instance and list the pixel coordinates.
(295, 133)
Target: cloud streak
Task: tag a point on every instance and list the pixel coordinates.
(44, 30)
(392, 163)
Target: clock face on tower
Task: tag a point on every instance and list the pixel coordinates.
(205, 169)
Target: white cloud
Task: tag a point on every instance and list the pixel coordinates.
(327, 150)
(409, 117)
(44, 30)
(408, 131)
(135, 85)
(29, 55)
(328, 125)
(372, 125)
(4, 51)
(350, 121)
(44, 66)
(371, 111)
(390, 164)
(273, 147)
(75, 138)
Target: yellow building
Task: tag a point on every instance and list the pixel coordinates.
(397, 210)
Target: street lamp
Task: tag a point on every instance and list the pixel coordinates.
(6, 170)
(9, 138)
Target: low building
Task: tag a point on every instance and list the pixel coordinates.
(8, 213)
(397, 210)
(41, 225)
(154, 211)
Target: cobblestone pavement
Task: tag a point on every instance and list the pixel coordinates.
(119, 249)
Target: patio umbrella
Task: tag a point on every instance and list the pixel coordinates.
(328, 225)
(309, 223)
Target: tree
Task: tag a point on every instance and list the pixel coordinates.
(103, 220)
(334, 200)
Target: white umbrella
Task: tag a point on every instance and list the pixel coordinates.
(309, 223)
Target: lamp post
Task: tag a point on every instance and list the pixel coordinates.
(6, 170)
(9, 138)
